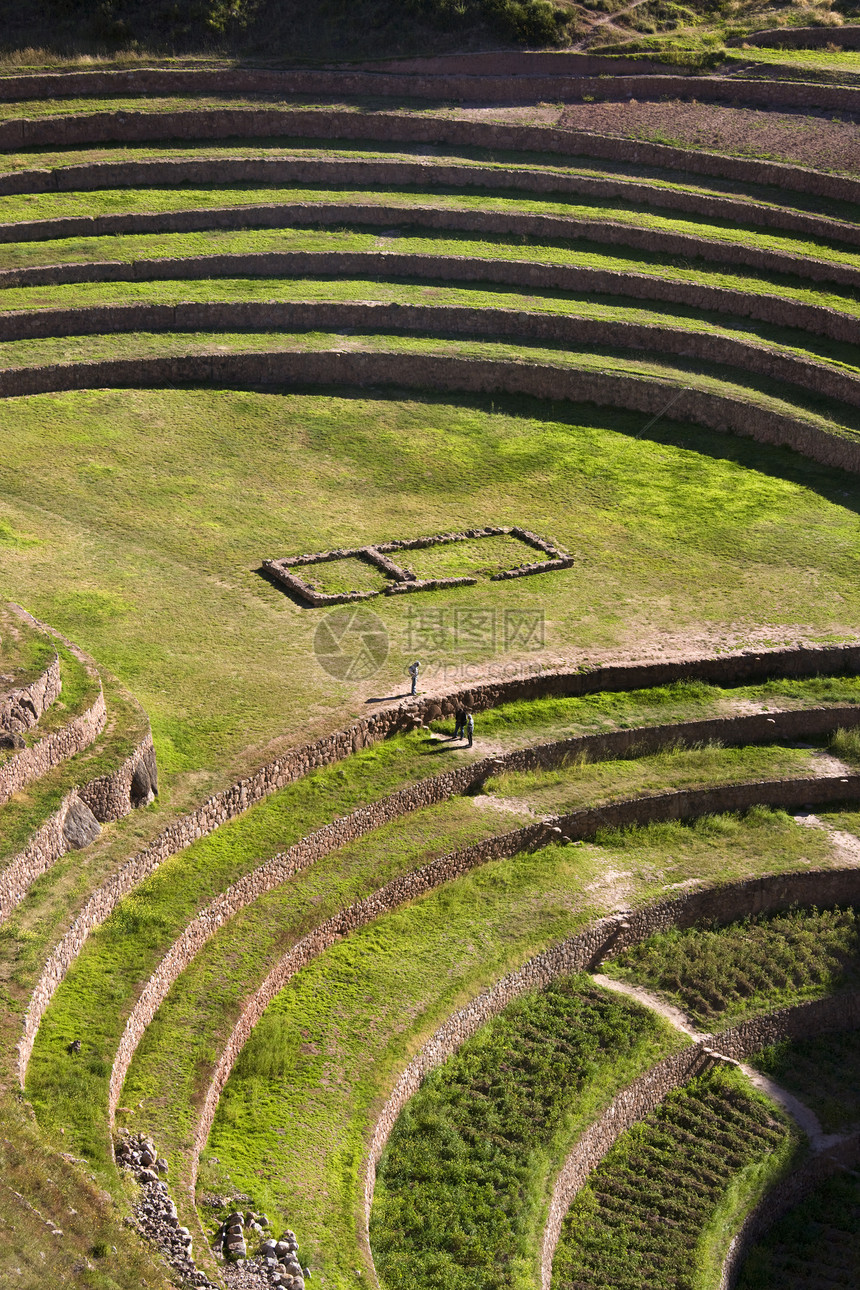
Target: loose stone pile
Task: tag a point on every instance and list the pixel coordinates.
(278, 1261)
(155, 1213)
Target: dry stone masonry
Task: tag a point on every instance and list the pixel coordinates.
(22, 706)
(721, 409)
(589, 948)
(281, 867)
(738, 669)
(404, 579)
(823, 1016)
(272, 1264)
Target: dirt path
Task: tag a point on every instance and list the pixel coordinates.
(803, 1116)
(846, 846)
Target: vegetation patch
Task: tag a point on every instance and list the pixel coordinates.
(654, 1211)
(822, 1073)
(817, 1244)
(720, 975)
(461, 1184)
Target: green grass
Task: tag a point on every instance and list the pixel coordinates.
(141, 247)
(99, 991)
(793, 340)
(584, 783)
(397, 980)
(462, 1187)
(338, 576)
(720, 975)
(688, 528)
(837, 60)
(818, 1239)
(95, 996)
(846, 744)
(682, 700)
(79, 690)
(25, 652)
(647, 1215)
(711, 233)
(70, 1093)
(822, 1073)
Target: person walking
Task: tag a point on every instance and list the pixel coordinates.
(470, 727)
(459, 723)
(414, 669)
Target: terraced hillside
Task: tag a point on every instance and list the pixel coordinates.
(307, 375)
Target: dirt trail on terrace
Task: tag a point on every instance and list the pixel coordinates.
(803, 1116)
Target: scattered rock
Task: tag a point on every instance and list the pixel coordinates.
(155, 1213)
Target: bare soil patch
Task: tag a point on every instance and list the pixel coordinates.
(822, 142)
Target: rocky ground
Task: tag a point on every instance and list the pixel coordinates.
(273, 1264)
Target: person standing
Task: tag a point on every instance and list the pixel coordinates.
(470, 727)
(459, 723)
(414, 669)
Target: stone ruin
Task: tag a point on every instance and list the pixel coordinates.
(404, 580)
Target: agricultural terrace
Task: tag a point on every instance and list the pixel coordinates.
(539, 369)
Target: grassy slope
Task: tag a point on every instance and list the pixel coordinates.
(787, 340)
(94, 998)
(724, 232)
(193, 514)
(462, 1186)
(647, 1215)
(398, 979)
(144, 246)
(100, 989)
(718, 976)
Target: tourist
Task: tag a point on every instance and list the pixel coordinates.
(414, 669)
(460, 723)
(470, 727)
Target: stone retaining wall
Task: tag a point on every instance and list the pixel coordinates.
(403, 580)
(425, 128)
(783, 1198)
(608, 936)
(32, 763)
(275, 872)
(523, 88)
(343, 173)
(107, 798)
(752, 356)
(723, 412)
(802, 37)
(287, 214)
(660, 241)
(781, 310)
(823, 1016)
(738, 669)
(21, 707)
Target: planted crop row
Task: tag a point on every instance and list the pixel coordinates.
(816, 1246)
(459, 1187)
(719, 975)
(647, 1215)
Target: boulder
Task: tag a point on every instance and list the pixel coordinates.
(80, 826)
(11, 741)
